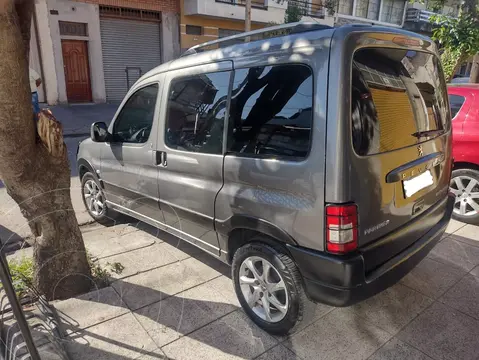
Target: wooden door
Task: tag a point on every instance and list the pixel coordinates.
(77, 71)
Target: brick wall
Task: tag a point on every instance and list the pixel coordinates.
(156, 5)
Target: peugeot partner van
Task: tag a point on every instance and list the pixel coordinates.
(315, 161)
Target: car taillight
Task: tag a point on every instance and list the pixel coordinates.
(341, 228)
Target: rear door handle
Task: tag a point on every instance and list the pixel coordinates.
(161, 158)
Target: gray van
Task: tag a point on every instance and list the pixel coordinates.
(315, 161)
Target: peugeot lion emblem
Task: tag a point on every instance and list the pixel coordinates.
(420, 151)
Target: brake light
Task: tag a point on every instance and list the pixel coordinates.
(341, 228)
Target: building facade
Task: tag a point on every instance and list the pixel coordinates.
(207, 20)
(377, 12)
(94, 50)
(418, 19)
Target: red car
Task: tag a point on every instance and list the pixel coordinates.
(464, 100)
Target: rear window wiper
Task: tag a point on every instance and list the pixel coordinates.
(420, 134)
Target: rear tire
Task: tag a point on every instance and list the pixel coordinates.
(281, 288)
(465, 186)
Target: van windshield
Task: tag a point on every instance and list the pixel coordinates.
(398, 99)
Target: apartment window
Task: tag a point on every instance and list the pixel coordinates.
(227, 32)
(73, 28)
(196, 113)
(194, 30)
(393, 11)
(368, 9)
(345, 7)
(271, 112)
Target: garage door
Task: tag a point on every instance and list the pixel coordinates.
(130, 49)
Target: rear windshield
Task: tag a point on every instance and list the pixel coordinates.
(398, 99)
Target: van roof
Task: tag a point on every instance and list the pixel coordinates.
(298, 34)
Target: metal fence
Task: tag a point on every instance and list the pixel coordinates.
(417, 15)
(27, 331)
(313, 9)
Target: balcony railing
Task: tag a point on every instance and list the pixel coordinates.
(313, 8)
(417, 15)
(260, 4)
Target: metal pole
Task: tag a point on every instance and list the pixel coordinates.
(247, 19)
(16, 308)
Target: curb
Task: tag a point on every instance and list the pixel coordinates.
(73, 135)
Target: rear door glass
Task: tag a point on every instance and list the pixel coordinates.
(456, 102)
(398, 99)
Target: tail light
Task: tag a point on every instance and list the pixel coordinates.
(341, 228)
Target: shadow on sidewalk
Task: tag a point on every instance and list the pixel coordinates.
(172, 316)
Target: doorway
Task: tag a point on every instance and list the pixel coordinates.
(77, 70)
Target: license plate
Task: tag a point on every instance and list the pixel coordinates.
(417, 183)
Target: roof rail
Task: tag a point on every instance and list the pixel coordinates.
(291, 28)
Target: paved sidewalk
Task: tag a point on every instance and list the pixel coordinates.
(14, 227)
(173, 301)
(77, 119)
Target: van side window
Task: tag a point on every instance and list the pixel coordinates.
(196, 113)
(133, 123)
(271, 112)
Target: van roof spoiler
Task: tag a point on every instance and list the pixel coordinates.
(276, 31)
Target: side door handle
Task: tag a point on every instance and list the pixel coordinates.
(161, 158)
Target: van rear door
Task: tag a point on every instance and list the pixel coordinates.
(401, 161)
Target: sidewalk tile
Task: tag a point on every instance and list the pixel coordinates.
(315, 312)
(456, 254)
(279, 352)
(338, 335)
(169, 319)
(119, 338)
(393, 308)
(234, 336)
(432, 278)
(155, 285)
(156, 354)
(464, 296)
(395, 349)
(475, 271)
(468, 234)
(107, 243)
(453, 226)
(443, 333)
(144, 259)
(102, 305)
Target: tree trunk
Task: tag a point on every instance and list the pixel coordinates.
(475, 70)
(36, 171)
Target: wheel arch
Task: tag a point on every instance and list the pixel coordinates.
(240, 230)
(461, 165)
(84, 166)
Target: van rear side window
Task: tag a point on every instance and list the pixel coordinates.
(398, 100)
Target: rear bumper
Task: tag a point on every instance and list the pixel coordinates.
(342, 280)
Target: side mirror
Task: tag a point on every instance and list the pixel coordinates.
(99, 132)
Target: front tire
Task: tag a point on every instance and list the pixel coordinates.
(94, 199)
(465, 186)
(269, 287)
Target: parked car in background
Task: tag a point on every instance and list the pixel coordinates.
(460, 80)
(317, 171)
(464, 100)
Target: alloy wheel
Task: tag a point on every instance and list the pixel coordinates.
(264, 289)
(466, 190)
(94, 199)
